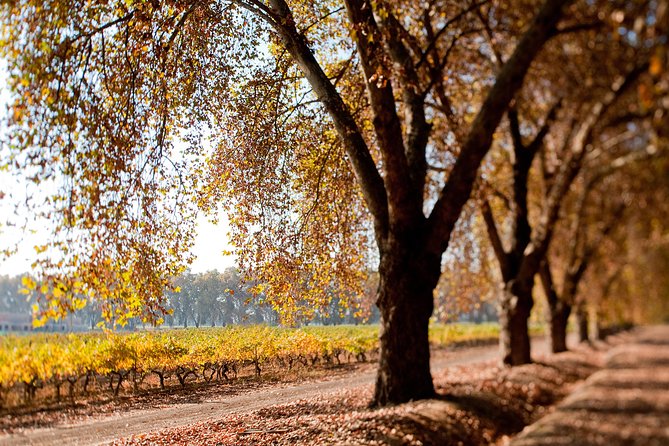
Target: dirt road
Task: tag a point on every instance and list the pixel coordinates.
(102, 431)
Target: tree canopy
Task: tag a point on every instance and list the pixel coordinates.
(340, 137)
(116, 104)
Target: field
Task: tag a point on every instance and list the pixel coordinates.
(54, 367)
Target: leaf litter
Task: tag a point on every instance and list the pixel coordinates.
(477, 404)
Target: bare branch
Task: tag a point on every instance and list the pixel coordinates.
(578, 28)
(101, 28)
(417, 128)
(444, 28)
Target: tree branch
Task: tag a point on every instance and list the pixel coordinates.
(548, 285)
(514, 128)
(368, 176)
(433, 42)
(575, 270)
(417, 128)
(403, 204)
(578, 28)
(622, 162)
(509, 80)
(495, 239)
(570, 169)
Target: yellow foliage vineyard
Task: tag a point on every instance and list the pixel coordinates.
(206, 354)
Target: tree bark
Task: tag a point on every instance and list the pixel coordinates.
(559, 309)
(559, 318)
(582, 322)
(408, 277)
(514, 337)
(598, 333)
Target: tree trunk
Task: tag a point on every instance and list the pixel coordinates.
(558, 309)
(598, 332)
(406, 303)
(582, 322)
(514, 337)
(559, 318)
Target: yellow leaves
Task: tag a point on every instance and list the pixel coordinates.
(28, 285)
(382, 12)
(39, 321)
(47, 356)
(79, 303)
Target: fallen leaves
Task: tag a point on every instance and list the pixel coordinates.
(478, 404)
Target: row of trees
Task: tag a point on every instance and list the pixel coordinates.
(219, 299)
(204, 299)
(215, 299)
(11, 300)
(340, 137)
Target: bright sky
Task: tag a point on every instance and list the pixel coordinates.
(210, 242)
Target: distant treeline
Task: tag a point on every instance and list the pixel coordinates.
(205, 299)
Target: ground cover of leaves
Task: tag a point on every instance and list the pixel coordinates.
(626, 403)
(477, 405)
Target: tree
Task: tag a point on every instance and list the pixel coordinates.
(564, 147)
(210, 293)
(588, 227)
(11, 300)
(627, 282)
(101, 91)
(580, 254)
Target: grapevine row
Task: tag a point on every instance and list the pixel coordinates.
(67, 361)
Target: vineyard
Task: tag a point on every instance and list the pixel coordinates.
(54, 366)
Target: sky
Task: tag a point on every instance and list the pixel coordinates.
(210, 242)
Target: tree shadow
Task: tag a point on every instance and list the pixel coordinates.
(487, 406)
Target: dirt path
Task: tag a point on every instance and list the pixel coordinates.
(135, 422)
(624, 404)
